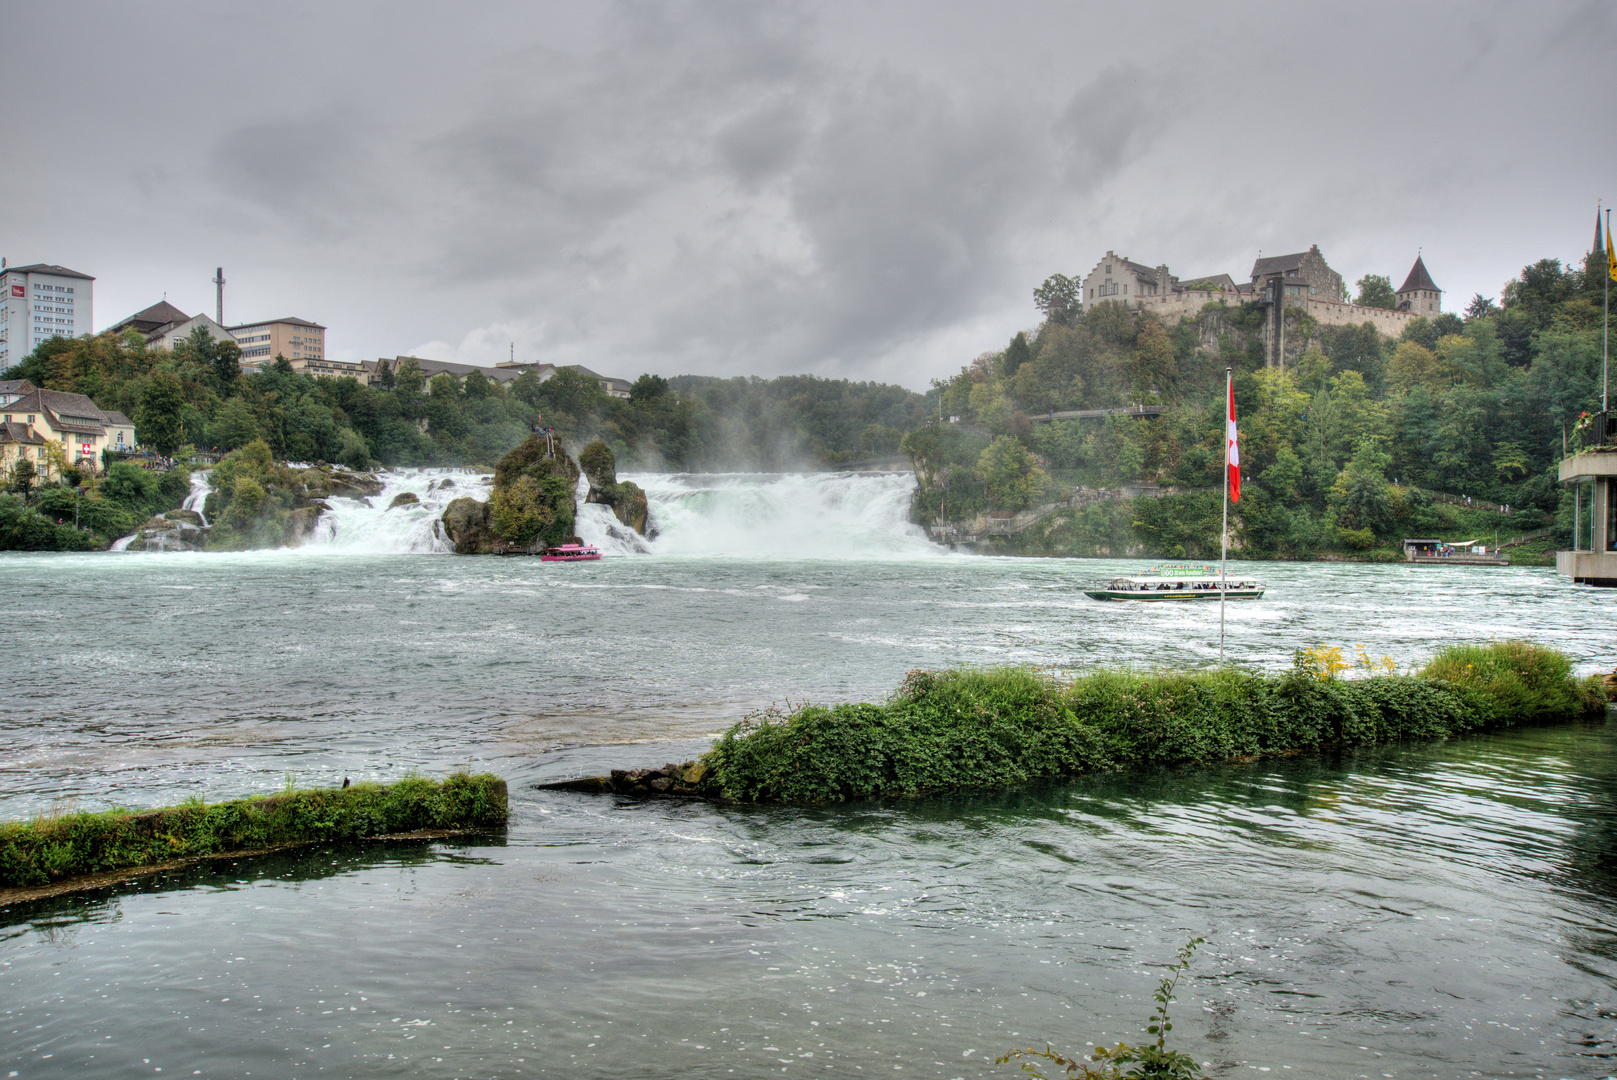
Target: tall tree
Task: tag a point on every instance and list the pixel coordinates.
(160, 417)
(1017, 354)
(1058, 299)
(1376, 291)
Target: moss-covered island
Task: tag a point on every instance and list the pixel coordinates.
(962, 729)
(53, 849)
(532, 506)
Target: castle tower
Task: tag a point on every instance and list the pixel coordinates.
(1420, 294)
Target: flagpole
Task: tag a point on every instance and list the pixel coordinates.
(1605, 326)
(1224, 534)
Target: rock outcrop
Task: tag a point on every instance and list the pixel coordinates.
(533, 506)
(170, 534)
(671, 779)
(469, 525)
(627, 500)
(339, 483)
(404, 498)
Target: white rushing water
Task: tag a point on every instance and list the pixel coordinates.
(791, 515)
(813, 515)
(796, 515)
(374, 526)
(201, 486)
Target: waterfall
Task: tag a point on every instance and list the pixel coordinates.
(201, 485)
(803, 515)
(376, 526)
(791, 515)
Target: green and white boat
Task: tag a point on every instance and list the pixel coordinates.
(1178, 583)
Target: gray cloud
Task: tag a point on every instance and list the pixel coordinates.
(860, 189)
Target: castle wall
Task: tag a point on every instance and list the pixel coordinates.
(1333, 313)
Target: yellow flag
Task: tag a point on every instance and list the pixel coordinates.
(1611, 257)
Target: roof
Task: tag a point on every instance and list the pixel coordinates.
(117, 419)
(1419, 279)
(430, 368)
(69, 412)
(18, 432)
(16, 386)
(159, 314)
(1222, 281)
(1278, 264)
(289, 321)
(47, 268)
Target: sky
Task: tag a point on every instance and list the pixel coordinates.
(864, 190)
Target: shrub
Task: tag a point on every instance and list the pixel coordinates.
(1526, 682)
(994, 727)
(52, 848)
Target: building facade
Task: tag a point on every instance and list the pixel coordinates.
(81, 427)
(299, 340)
(162, 325)
(39, 302)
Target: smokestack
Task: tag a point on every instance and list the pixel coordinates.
(219, 305)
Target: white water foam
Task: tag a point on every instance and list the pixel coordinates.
(375, 526)
(201, 486)
(802, 515)
(761, 515)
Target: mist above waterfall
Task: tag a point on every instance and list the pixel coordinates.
(799, 515)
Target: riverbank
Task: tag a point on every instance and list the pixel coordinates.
(54, 850)
(995, 728)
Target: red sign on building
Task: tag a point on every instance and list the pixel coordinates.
(17, 290)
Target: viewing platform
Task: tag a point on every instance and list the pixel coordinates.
(1593, 476)
(1434, 552)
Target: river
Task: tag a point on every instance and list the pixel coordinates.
(1427, 910)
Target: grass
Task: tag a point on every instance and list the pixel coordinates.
(54, 848)
(981, 728)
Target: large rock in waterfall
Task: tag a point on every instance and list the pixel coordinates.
(469, 525)
(168, 533)
(532, 508)
(627, 500)
(340, 483)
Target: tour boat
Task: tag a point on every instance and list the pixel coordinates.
(570, 553)
(1177, 583)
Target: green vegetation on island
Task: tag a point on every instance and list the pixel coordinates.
(961, 729)
(53, 848)
(1355, 442)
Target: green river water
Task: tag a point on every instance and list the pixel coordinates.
(1435, 910)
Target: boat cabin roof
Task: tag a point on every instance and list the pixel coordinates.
(1209, 582)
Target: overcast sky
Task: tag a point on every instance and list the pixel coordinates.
(866, 190)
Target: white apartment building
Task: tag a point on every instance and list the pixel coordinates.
(39, 302)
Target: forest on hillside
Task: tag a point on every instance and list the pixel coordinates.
(1340, 448)
(197, 396)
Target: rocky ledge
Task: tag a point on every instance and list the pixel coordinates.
(671, 779)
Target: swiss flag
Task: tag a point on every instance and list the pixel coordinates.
(1233, 448)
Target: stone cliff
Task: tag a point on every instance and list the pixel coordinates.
(627, 500)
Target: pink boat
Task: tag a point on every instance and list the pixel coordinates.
(570, 553)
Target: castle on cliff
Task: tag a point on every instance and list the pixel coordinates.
(1302, 282)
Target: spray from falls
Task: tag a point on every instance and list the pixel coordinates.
(802, 515)
(385, 523)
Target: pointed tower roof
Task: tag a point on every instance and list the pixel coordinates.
(1419, 279)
